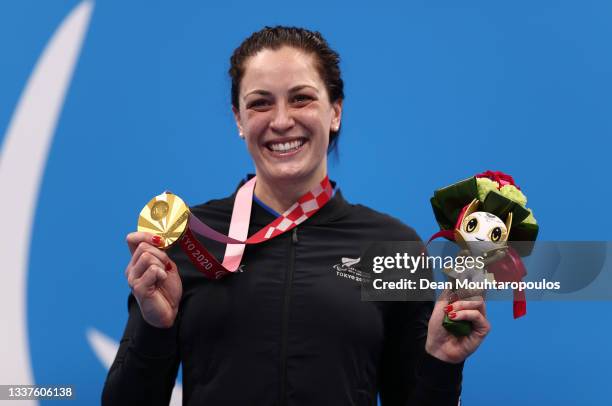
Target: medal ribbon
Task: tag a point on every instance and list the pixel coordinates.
(510, 268)
(205, 262)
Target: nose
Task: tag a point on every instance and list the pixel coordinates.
(282, 120)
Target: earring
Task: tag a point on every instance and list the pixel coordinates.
(241, 135)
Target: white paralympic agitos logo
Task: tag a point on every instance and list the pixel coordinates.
(23, 157)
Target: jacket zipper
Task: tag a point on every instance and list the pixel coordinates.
(285, 318)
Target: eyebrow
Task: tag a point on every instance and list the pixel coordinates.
(292, 90)
(300, 87)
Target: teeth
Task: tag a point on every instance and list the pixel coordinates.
(286, 146)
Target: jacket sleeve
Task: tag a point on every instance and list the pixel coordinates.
(146, 364)
(409, 375)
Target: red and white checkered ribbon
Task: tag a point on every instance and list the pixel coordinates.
(300, 211)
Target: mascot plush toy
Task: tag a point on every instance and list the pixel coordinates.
(483, 214)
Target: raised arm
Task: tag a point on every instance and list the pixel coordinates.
(410, 375)
(146, 364)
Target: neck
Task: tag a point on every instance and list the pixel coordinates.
(280, 195)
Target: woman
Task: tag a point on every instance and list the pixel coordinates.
(288, 330)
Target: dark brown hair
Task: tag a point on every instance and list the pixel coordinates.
(311, 42)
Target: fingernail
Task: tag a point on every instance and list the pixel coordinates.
(156, 240)
(168, 266)
(448, 308)
(452, 315)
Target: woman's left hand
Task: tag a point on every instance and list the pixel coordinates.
(448, 347)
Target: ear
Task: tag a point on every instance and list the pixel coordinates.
(337, 114)
(466, 211)
(237, 119)
(472, 207)
(508, 224)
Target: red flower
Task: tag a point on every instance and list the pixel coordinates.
(501, 178)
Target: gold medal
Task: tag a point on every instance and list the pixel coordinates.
(167, 216)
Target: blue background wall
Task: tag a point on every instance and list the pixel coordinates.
(435, 92)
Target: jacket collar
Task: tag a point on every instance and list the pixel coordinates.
(334, 209)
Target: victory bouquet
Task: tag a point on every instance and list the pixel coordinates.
(483, 214)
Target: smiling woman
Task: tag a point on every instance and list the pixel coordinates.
(285, 117)
(287, 329)
(286, 112)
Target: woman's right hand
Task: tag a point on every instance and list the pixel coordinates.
(154, 280)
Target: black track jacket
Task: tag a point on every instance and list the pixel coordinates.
(288, 329)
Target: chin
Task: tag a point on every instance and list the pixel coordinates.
(285, 174)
